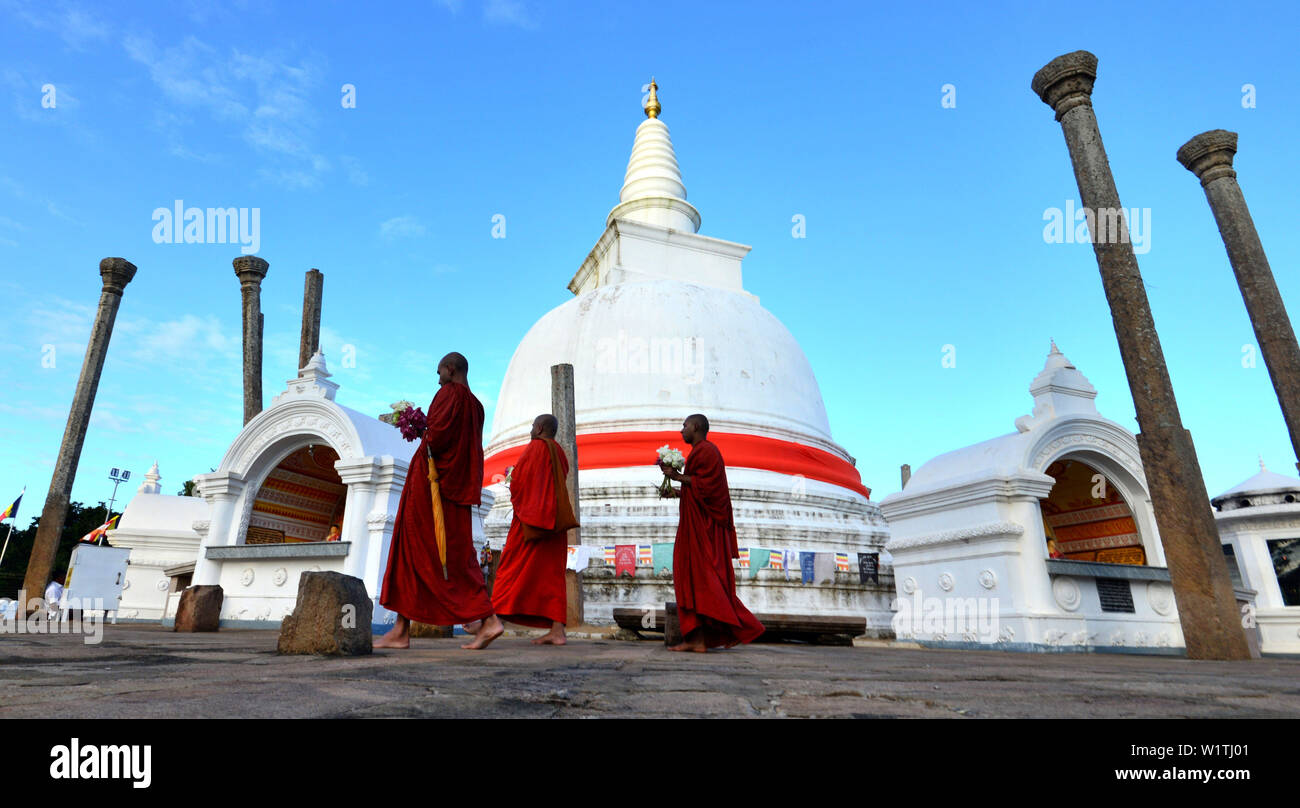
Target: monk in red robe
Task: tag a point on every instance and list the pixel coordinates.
(708, 610)
(416, 585)
(529, 588)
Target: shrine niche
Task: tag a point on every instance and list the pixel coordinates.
(1086, 518)
(299, 500)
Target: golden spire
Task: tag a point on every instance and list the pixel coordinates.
(652, 107)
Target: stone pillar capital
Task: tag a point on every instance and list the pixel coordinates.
(250, 269)
(116, 273)
(1209, 155)
(1066, 82)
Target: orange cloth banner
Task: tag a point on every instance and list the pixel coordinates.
(609, 450)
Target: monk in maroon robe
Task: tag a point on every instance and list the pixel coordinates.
(529, 588)
(708, 609)
(414, 582)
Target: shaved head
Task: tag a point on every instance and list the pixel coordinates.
(457, 362)
(701, 423)
(546, 425)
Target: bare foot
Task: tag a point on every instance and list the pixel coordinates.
(697, 647)
(472, 628)
(553, 637)
(399, 636)
(491, 629)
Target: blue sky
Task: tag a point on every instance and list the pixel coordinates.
(924, 223)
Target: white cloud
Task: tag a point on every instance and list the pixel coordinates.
(508, 12)
(75, 25)
(401, 227)
(267, 98)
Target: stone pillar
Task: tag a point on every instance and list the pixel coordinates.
(562, 408)
(1206, 604)
(311, 297)
(1209, 156)
(905, 471)
(115, 273)
(251, 270)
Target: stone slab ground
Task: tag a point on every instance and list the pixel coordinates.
(140, 670)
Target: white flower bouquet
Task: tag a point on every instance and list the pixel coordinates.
(675, 459)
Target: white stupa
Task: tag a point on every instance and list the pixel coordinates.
(660, 327)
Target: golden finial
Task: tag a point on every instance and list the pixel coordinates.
(652, 107)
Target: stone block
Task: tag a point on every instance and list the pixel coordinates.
(332, 616)
(426, 630)
(199, 609)
(672, 627)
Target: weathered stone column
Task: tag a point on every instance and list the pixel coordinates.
(116, 273)
(562, 408)
(1209, 156)
(1207, 607)
(311, 297)
(251, 270)
(905, 472)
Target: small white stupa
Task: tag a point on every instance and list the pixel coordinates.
(1258, 521)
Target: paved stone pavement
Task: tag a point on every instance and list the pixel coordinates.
(142, 670)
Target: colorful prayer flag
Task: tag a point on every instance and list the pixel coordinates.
(98, 533)
(778, 560)
(609, 554)
(842, 562)
(624, 559)
(644, 555)
(12, 510)
(744, 558)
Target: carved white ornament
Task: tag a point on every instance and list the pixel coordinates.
(246, 577)
(377, 520)
(126, 584)
(1007, 634)
(988, 579)
(1054, 637)
(1161, 597)
(1067, 593)
(909, 585)
(279, 576)
(162, 585)
(312, 425)
(1117, 638)
(1164, 640)
(963, 534)
(945, 581)
(1108, 448)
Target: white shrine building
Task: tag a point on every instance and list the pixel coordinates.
(158, 529)
(303, 464)
(661, 326)
(970, 536)
(1259, 525)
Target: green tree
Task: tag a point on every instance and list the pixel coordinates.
(80, 521)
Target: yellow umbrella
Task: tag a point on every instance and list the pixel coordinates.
(439, 528)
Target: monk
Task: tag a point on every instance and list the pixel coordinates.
(708, 610)
(529, 588)
(415, 583)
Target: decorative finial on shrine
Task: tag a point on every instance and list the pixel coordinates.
(652, 108)
(1054, 348)
(1261, 463)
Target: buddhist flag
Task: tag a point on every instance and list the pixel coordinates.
(842, 562)
(12, 510)
(645, 555)
(778, 560)
(98, 533)
(744, 558)
(609, 554)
